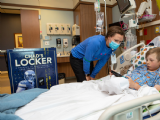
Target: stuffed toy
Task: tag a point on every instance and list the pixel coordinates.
(124, 70)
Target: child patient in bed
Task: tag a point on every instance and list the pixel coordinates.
(148, 73)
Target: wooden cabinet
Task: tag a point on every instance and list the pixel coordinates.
(63, 59)
(63, 64)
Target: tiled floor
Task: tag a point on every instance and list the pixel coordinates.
(5, 84)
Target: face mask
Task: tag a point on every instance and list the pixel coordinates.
(113, 45)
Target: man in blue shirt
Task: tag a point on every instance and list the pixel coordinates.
(94, 48)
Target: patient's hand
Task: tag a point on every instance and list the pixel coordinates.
(157, 87)
(111, 73)
(132, 84)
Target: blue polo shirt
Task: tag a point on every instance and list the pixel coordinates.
(92, 49)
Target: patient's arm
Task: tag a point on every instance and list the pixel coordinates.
(157, 87)
(132, 84)
(137, 86)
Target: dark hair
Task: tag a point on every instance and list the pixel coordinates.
(115, 30)
(154, 50)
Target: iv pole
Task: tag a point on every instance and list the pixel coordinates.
(105, 16)
(106, 30)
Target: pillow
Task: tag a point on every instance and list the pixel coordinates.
(140, 56)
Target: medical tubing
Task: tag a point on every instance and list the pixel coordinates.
(111, 111)
(122, 24)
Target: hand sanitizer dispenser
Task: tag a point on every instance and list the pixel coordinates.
(75, 30)
(65, 43)
(58, 41)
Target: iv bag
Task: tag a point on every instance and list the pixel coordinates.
(97, 6)
(99, 21)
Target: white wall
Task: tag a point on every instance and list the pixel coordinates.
(48, 3)
(56, 16)
(115, 14)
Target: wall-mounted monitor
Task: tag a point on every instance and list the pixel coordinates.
(125, 5)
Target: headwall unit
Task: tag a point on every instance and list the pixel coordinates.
(58, 29)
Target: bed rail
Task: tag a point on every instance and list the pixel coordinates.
(125, 58)
(112, 112)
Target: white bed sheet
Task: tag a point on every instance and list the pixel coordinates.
(81, 101)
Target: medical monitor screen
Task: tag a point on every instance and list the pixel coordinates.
(123, 5)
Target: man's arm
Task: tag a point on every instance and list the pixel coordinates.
(99, 66)
(91, 49)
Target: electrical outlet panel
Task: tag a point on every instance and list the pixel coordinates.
(56, 28)
(62, 28)
(50, 28)
(68, 29)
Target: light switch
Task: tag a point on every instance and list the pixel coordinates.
(141, 33)
(46, 42)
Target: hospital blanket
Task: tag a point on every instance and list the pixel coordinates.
(81, 101)
(9, 103)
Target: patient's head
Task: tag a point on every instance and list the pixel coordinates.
(153, 59)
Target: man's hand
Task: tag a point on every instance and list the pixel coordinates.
(92, 78)
(88, 78)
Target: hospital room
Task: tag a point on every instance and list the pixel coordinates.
(79, 59)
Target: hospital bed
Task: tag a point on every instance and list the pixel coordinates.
(120, 112)
(61, 102)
